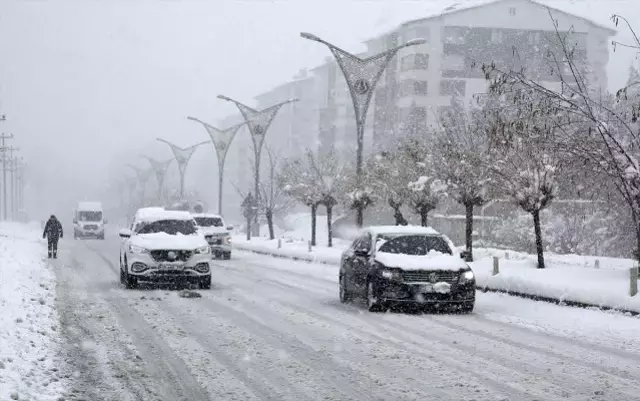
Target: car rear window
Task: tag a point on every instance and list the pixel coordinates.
(209, 221)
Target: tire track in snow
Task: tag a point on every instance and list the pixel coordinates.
(168, 370)
(349, 323)
(584, 347)
(513, 363)
(343, 382)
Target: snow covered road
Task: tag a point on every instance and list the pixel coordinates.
(272, 329)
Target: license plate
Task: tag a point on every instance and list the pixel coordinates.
(425, 288)
(171, 266)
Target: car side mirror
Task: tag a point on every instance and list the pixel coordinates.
(465, 255)
(230, 228)
(75, 221)
(361, 252)
(125, 233)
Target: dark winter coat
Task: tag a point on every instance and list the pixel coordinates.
(53, 230)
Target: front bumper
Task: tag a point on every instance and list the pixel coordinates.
(219, 244)
(81, 233)
(399, 292)
(190, 271)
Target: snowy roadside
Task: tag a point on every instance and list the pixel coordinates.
(567, 278)
(28, 319)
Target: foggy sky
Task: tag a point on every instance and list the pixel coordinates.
(86, 83)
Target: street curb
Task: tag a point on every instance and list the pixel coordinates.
(538, 298)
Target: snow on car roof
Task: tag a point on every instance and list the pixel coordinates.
(90, 206)
(409, 230)
(157, 214)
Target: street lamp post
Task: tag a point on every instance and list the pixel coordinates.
(258, 122)
(143, 177)
(221, 139)
(160, 170)
(182, 155)
(361, 75)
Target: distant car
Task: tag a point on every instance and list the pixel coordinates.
(88, 221)
(217, 234)
(164, 247)
(406, 265)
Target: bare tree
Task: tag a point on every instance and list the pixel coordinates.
(298, 179)
(603, 130)
(273, 198)
(463, 154)
(317, 180)
(390, 181)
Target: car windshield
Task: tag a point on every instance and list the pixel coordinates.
(413, 244)
(209, 221)
(89, 216)
(172, 227)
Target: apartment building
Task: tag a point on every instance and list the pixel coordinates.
(294, 128)
(514, 34)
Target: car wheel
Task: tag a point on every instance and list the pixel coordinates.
(206, 283)
(467, 307)
(101, 237)
(129, 282)
(226, 256)
(373, 304)
(345, 295)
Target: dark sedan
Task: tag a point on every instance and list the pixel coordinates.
(406, 265)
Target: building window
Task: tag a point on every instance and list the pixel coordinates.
(453, 62)
(534, 38)
(496, 35)
(416, 32)
(453, 88)
(416, 61)
(456, 35)
(512, 11)
(411, 87)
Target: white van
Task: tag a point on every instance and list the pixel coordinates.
(88, 221)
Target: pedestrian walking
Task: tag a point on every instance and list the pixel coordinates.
(53, 233)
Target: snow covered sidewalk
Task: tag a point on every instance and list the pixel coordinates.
(591, 281)
(28, 319)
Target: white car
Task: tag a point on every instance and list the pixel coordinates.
(217, 234)
(164, 247)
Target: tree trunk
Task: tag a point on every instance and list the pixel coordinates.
(249, 229)
(360, 215)
(397, 215)
(424, 216)
(269, 216)
(469, 230)
(329, 226)
(314, 210)
(538, 230)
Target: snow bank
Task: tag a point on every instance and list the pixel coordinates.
(28, 319)
(567, 278)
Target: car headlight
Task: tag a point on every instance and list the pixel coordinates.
(203, 250)
(467, 276)
(137, 249)
(391, 274)
(227, 239)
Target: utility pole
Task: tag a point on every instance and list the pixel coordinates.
(4, 150)
(15, 167)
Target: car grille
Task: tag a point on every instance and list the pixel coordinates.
(163, 256)
(90, 227)
(425, 276)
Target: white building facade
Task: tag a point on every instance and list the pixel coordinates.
(514, 34)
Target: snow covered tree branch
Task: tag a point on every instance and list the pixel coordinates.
(463, 154)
